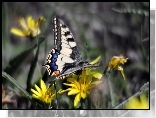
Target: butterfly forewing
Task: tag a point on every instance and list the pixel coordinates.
(64, 40)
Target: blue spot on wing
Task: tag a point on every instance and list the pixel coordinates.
(53, 61)
(55, 55)
(53, 66)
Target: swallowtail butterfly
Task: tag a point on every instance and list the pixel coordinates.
(65, 58)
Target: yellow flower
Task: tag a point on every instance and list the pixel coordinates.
(115, 63)
(45, 94)
(135, 103)
(30, 27)
(81, 85)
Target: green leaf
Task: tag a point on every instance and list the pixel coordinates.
(32, 69)
(14, 82)
(16, 62)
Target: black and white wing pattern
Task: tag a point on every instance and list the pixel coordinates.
(65, 58)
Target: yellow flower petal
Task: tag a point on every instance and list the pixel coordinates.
(35, 92)
(121, 70)
(72, 80)
(144, 104)
(39, 21)
(97, 75)
(83, 77)
(43, 86)
(23, 24)
(37, 88)
(96, 60)
(17, 32)
(35, 96)
(72, 85)
(89, 79)
(135, 103)
(83, 95)
(30, 22)
(77, 85)
(61, 91)
(77, 99)
(73, 91)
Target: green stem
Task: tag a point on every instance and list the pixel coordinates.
(13, 81)
(111, 93)
(106, 73)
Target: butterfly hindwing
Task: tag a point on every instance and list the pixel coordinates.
(82, 65)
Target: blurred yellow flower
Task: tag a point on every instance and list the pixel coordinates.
(136, 103)
(81, 85)
(30, 27)
(45, 94)
(115, 63)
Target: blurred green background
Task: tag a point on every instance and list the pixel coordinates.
(100, 28)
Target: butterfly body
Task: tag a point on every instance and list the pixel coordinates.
(65, 58)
